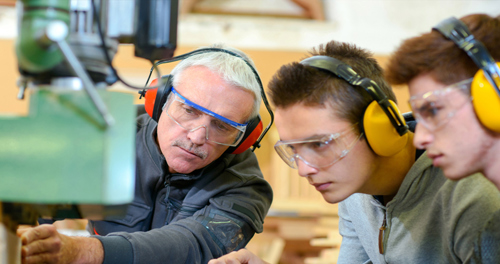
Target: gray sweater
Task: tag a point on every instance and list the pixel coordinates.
(430, 220)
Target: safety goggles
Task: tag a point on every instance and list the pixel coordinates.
(319, 151)
(191, 117)
(435, 109)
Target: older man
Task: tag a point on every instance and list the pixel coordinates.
(194, 200)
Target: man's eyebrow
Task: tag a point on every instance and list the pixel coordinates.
(318, 136)
(425, 105)
(312, 137)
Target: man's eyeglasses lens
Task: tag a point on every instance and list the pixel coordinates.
(434, 109)
(320, 152)
(191, 117)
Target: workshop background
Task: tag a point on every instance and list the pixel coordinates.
(301, 227)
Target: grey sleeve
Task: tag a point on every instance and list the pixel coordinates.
(117, 250)
(351, 249)
(194, 239)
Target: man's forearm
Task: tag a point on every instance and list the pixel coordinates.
(89, 250)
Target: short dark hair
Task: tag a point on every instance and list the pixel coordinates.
(438, 56)
(295, 83)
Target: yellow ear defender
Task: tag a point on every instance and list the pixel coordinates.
(384, 127)
(485, 85)
(380, 133)
(486, 100)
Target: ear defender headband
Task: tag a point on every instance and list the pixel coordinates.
(156, 98)
(384, 126)
(485, 85)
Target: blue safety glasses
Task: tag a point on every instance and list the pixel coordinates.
(191, 117)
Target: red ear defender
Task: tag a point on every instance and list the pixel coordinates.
(156, 98)
(150, 97)
(252, 134)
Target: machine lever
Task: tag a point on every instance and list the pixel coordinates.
(56, 32)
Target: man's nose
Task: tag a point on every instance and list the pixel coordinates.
(304, 169)
(423, 137)
(198, 135)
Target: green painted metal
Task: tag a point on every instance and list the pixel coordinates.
(37, 14)
(62, 153)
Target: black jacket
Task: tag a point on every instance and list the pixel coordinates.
(178, 218)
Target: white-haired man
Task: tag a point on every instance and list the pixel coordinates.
(193, 200)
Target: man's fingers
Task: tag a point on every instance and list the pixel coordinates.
(20, 232)
(42, 246)
(241, 256)
(37, 233)
(42, 240)
(41, 258)
(231, 258)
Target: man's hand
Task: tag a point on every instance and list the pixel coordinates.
(43, 244)
(242, 256)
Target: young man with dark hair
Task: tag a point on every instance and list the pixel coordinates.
(453, 76)
(439, 75)
(339, 126)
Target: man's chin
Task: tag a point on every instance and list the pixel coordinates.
(453, 174)
(183, 163)
(333, 199)
(181, 169)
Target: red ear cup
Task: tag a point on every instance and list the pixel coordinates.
(252, 134)
(156, 98)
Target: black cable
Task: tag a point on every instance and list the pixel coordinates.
(108, 59)
(178, 58)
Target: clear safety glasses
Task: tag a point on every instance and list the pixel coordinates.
(191, 117)
(319, 151)
(434, 109)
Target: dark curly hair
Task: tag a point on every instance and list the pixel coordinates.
(295, 83)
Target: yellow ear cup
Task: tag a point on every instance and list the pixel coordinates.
(380, 133)
(486, 101)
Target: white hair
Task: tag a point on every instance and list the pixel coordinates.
(234, 70)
